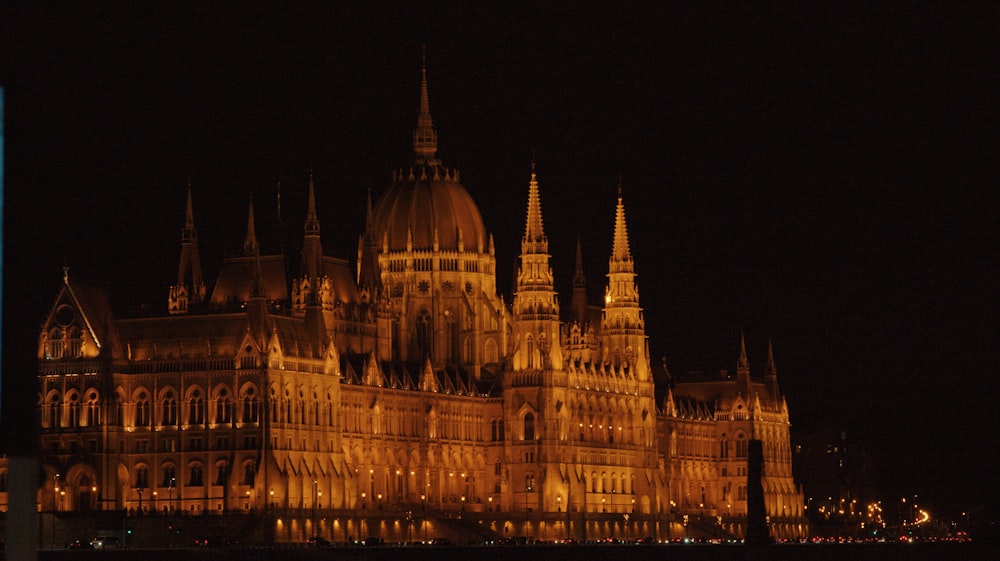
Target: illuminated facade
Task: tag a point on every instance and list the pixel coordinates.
(402, 384)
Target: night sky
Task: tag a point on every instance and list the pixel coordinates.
(823, 178)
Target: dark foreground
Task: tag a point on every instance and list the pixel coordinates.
(880, 552)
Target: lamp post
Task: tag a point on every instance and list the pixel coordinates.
(93, 494)
(361, 524)
(314, 507)
(55, 492)
(139, 491)
(55, 506)
(627, 537)
(171, 506)
(423, 521)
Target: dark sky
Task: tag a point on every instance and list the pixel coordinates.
(823, 177)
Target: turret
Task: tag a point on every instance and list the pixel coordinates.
(622, 324)
(536, 308)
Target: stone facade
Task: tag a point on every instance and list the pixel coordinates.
(401, 388)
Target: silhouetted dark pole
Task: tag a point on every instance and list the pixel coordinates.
(757, 531)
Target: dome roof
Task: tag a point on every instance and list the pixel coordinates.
(427, 200)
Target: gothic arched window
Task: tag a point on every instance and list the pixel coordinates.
(142, 409)
(196, 408)
(424, 339)
(529, 426)
(169, 408)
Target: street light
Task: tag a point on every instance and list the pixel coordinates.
(171, 489)
(423, 521)
(55, 492)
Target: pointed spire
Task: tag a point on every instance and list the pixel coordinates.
(533, 231)
(579, 301)
(250, 246)
(424, 137)
(620, 250)
(743, 363)
(769, 368)
(312, 222)
(368, 268)
(579, 279)
(181, 294)
(188, 234)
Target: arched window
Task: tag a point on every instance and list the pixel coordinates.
(529, 342)
(529, 426)
(169, 478)
(223, 408)
(424, 333)
(73, 406)
(491, 352)
(529, 482)
(249, 473)
(251, 406)
(741, 447)
(93, 410)
(54, 407)
(55, 349)
(169, 409)
(75, 342)
(196, 408)
(195, 475)
(141, 477)
(142, 409)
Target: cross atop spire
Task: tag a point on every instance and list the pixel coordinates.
(424, 136)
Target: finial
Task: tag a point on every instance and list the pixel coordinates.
(66, 275)
(743, 362)
(424, 136)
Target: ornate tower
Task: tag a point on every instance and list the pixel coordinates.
(536, 308)
(436, 264)
(622, 323)
(312, 286)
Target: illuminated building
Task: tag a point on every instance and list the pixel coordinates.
(402, 383)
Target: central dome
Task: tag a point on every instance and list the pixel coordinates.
(428, 203)
(426, 208)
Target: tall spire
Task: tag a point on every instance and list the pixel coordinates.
(181, 294)
(534, 236)
(368, 269)
(312, 222)
(621, 256)
(743, 363)
(188, 234)
(579, 303)
(312, 248)
(769, 368)
(250, 246)
(424, 136)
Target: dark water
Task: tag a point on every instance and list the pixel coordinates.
(880, 552)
